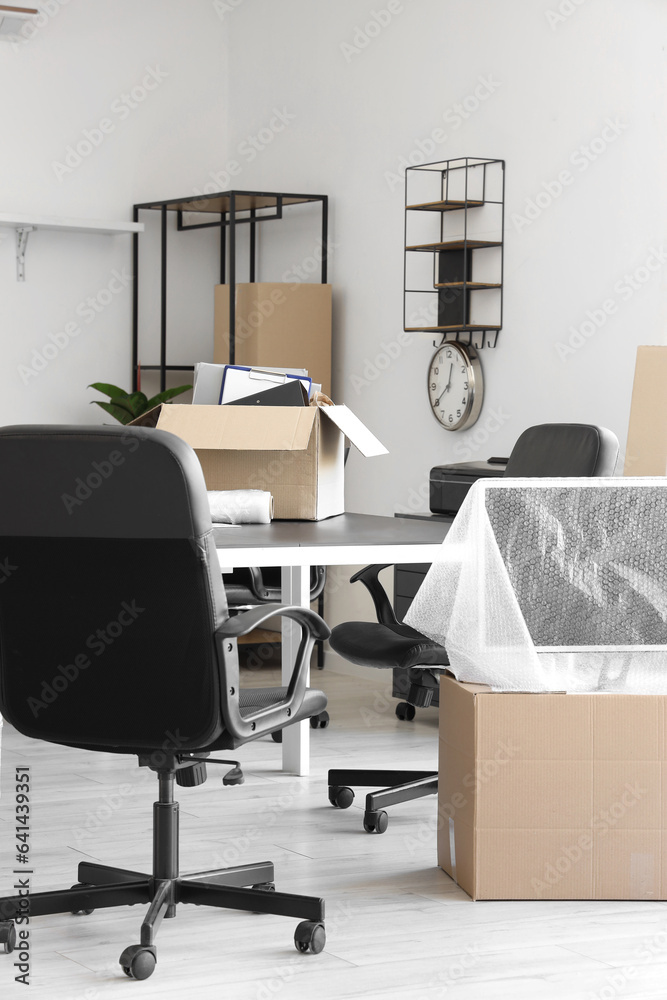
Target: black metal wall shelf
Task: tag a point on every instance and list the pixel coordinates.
(234, 208)
(473, 187)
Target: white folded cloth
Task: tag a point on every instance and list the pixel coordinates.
(240, 506)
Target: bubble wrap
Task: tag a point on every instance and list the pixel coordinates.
(553, 585)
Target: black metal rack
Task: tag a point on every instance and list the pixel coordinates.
(453, 281)
(234, 208)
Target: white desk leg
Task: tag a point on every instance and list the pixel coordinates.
(295, 582)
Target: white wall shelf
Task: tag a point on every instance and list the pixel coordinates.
(24, 224)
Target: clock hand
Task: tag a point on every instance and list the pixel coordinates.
(449, 380)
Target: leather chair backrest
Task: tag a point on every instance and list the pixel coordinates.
(563, 450)
(110, 590)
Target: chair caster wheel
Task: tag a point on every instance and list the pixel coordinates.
(277, 737)
(7, 936)
(405, 712)
(310, 936)
(341, 796)
(81, 913)
(376, 822)
(320, 721)
(138, 961)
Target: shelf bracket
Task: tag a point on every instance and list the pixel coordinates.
(22, 233)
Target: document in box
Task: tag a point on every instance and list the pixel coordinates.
(239, 381)
(208, 381)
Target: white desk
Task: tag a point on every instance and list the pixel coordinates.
(349, 539)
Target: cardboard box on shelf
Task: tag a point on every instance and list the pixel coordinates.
(277, 323)
(552, 796)
(646, 449)
(296, 453)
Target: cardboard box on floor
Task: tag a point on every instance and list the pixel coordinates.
(295, 453)
(646, 449)
(552, 796)
(277, 324)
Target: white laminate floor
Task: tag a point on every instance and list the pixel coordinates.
(397, 927)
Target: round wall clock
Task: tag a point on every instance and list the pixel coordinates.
(455, 386)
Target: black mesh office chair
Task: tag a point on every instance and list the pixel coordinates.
(545, 450)
(247, 587)
(114, 637)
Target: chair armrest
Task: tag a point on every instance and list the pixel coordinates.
(265, 720)
(383, 607)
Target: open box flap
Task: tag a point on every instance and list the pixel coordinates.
(240, 428)
(353, 429)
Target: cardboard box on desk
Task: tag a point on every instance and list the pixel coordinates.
(552, 796)
(294, 452)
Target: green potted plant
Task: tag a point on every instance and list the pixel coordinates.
(126, 406)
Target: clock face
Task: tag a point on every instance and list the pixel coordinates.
(455, 386)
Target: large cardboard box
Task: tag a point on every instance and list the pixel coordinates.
(553, 796)
(296, 453)
(277, 324)
(646, 449)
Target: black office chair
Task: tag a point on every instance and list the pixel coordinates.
(246, 587)
(114, 637)
(249, 586)
(552, 450)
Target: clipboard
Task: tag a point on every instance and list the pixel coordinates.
(290, 393)
(239, 381)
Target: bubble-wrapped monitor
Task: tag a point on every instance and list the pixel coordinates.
(554, 585)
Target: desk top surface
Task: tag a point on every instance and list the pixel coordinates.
(342, 530)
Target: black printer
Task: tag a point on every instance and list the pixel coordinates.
(449, 484)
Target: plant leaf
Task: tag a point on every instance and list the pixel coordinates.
(162, 397)
(119, 413)
(107, 389)
(135, 403)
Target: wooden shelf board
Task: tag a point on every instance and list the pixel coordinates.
(474, 285)
(456, 245)
(449, 329)
(222, 202)
(443, 206)
(18, 220)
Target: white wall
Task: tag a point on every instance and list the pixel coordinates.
(359, 113)
(67, 76)
(356, 104)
